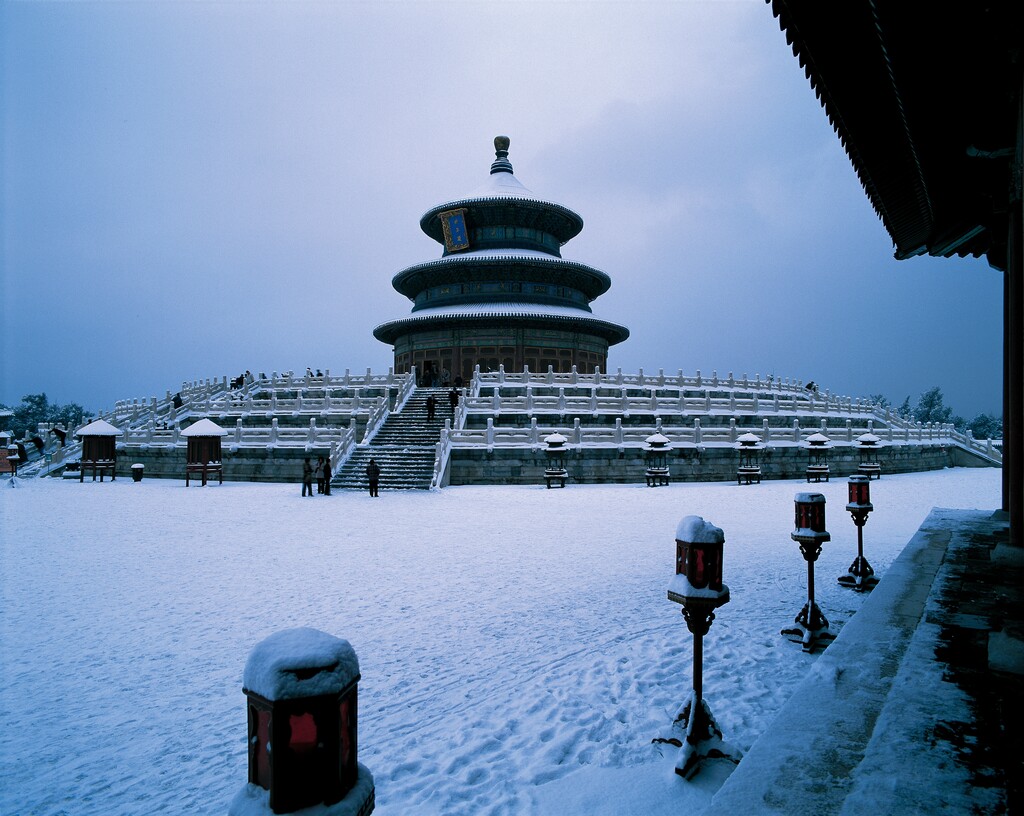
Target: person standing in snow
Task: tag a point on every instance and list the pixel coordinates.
(373, 474)
(307, 478)
(453, 399)
(431, 405)
(318, 472)
(327, 476)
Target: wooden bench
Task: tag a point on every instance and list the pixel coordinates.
(99, 466)
(206, 469)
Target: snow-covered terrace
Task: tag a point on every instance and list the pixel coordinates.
(688, 409)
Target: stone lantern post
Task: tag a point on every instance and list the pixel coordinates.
(656, 450)
(697, 585)
(555, 453)
(867, 450)
(817, 445)
(810, 534)
(861, 576)
(749, 446)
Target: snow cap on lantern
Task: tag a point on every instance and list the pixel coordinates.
(698, 575)
(301, 686)
(657, 442)
(555, 441)
(817, 440)
(749, 441)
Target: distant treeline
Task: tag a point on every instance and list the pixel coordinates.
(931, 407)
(36, 408)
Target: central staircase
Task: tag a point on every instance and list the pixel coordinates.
(403, 447)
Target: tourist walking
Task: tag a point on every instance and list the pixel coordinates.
(431, 406)
(307, 478)
(453, 400)
(373, 475)
(318, 472)
(327, 476)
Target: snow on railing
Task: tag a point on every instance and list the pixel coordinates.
(442, 452)
(378, 415)
(597, 400)
(343, 449)
(274, 435)
(696, 434)
(408, 386)
(678, 380)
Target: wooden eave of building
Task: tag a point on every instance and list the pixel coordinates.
(390, 332)
(545, 216)
(922, 99)
(453, 270)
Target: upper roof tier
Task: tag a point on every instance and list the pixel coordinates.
(504, 213)
(503, 264)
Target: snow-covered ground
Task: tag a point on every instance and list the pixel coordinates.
(517, 650)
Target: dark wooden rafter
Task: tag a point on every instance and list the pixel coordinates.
(918, 95)
(926, 98)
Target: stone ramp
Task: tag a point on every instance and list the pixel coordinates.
(912, 709)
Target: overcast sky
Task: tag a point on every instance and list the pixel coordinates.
(192, 189)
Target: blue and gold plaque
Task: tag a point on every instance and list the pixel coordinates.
(453, 222)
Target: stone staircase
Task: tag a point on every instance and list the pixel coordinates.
(404, 447)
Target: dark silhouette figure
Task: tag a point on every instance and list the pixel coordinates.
(318, 472)
(431, 406)
(453, 400)
(307, 478)
(373, 475)
(327, 476)
(61, 435)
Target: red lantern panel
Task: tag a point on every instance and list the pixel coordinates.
(303, 733)
(701, 563)
(860, 491)
(810, 516)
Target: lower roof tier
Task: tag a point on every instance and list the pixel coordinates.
(508, 265)
(539, 315)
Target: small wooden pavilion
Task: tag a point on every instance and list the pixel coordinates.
(204, 450)
(99, 449)
(8, 454)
